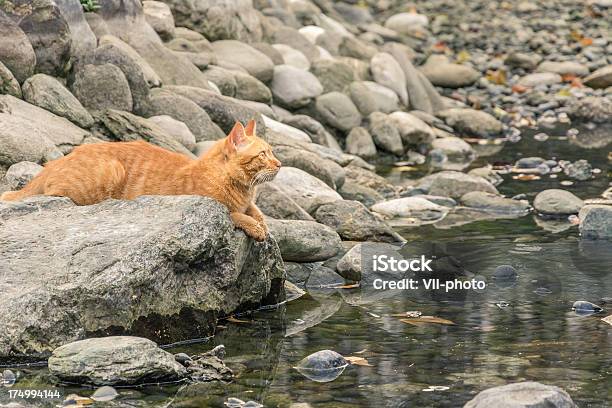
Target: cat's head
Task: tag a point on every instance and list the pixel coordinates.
(250, 158)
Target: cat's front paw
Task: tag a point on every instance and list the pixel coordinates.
(257, 232)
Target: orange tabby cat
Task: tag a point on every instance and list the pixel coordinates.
(228, 172)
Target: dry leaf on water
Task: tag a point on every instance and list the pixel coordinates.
(235, 320)
(608, 320)
(526, 177)
(419, 321)
(360, 361)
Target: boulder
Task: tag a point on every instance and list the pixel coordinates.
(388, 72)
(165, 102)
(293, 87)
(333, 74)
(97, 24)
(175, 129)
(564, 68)
(292, 57)
(20, 174)
(47, 31)
(555, 202)
(126, 127)
(325, 170)
(304, 241)
(349, 266)
(115, 360)
(471, 122)
(494, 203)
(385, 134)
(354, 191)
(274, 203)
(338, 111)
(596, 221)
(285, 130)
(30, 133)
(292, 37)
(251, 89)
(159, 16)
(457, 153)
(270, 51)
(8, 83)
(48, 93)
(370, 179)
(601, 78)
(307, 191)
(93, 277)
(222, 78)
(414, 207)
(539, 79)
(354, 222)
(219, 20)
(101, 87)
(596, 109)
(371, 97)
(16, 50)
(355, 48)
(360, 143)
(255, 62)
(440, 72)
(412, 129)
(527, 394)
(454, 184)
(82, 38)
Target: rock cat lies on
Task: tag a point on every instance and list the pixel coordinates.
(228, 172)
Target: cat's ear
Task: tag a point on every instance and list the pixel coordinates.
(251, 128)
(236, 138)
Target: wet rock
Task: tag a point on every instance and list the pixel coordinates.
(101, 87)
(494, 203)
(385, 134)
(505, 273)
(353, 222)
(563, 68)
(457, 152)
(116, 360)
(601, 78)
(177, 235)
(338, 110)
(522, 395)
(412, 129)
(322, 366)
(48, 93)
(471, 122)
(387, 72)
(591, 109)
(365, 195)
(16, 50)
(164, 102)
(245, 56)
(20, 174)
(304, 241)
(414, 207)
(8, 83)
(596, 221)
(557, 202)
(44, 129)
(440, 72)
(235, 20)
(359, 142)
(371, 97)
(371, 180)
(307, 191)
(274, 203)
(583, 307)
(488, 174)
(529, 163)
(333, 74)
(579, 170)
(349, 266)
(209, 366)
(293, 87)
(159, 16)
(543, 78)
(176, 129)
(454, 184)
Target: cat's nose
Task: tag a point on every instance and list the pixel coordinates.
(277, 163)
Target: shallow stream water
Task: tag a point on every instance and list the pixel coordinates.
(505, 333)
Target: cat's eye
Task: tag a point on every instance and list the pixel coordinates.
(262, 155)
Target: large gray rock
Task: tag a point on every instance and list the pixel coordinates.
(359, 142)
(293, 57)
(371, 97)
(440, 72)
(219, 20)
(385, 134)
(412, 129)
(274, 203)
(127, 127)
(30, 133)
(413, 207)
(596, 221)
(223, 79)
(8, 83)
(255, 62)
(494, 203)
(601, 78)
(334, 75)
(540, 79)
(454, 184)
(371, 180)
(176, 129)
(354, 191)
(165, 102)
(101, 87)
(304, 241)
(307, 191)
(20, 174)
(251, 89)
(122, 262)
(47, 31)
(596, 109)
(457, 153)
(556, 202)
(354, 222)
(115, 360)
(48, 93)
(527, 394)
(159, 16)
(405, 23)
(325, 170)
(293, 87)
(338, 111)
(388, 72)
(563, 68)
(16, 50)
(471, 122)
(293, 38)
(355, 48)
(83, 39)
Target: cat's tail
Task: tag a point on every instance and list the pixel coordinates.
(34, 187)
